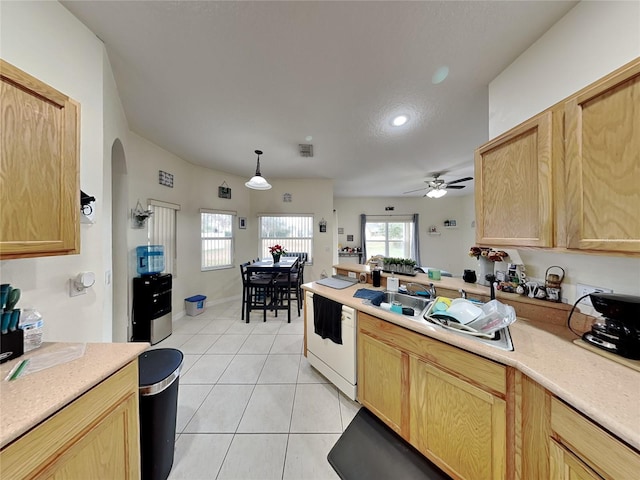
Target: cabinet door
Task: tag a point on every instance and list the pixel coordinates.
(382, 374)
(565, 466)
(39, 168)
(103, 452)
(602, 162)
(461, 427)
(513, 189)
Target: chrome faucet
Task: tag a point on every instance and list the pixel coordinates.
(463, 294)
(432, 290)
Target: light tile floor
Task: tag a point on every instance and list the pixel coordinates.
(249, 404)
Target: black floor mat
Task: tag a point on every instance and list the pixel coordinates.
(370, 450)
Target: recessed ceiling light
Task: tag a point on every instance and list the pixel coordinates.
(308, 138)
(440, 74)
(399, 120)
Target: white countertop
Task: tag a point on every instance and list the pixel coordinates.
(605, 391)
(30, 399)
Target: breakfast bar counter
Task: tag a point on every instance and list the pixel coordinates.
(599, 388)
(31, 399)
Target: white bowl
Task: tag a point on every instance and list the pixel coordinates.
(464, 312)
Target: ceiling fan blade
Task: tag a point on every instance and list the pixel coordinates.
(416, 190)
(460, 180)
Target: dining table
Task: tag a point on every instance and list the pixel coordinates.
(284, 268)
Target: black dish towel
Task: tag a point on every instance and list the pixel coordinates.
(327, 318)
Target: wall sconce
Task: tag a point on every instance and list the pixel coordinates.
(79, 284)
(140, 216)
(323, 225)
(87, 212)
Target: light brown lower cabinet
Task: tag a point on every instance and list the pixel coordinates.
(381, 381)
(566, 466)
(581, 449)
(457, 424)
(94, 437)
(477, 419)
(449, 404)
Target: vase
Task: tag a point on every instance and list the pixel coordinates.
(485, 267)
(276, 257)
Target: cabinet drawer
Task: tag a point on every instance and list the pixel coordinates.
(473, 368)
(603, 453)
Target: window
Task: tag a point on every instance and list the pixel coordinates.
(216, 232)
(162, 231)
(293, 232)
(390, 238)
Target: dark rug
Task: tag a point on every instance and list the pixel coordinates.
(370, 450)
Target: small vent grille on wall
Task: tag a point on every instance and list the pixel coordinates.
(306, 150)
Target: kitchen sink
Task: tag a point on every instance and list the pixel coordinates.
(420, 305)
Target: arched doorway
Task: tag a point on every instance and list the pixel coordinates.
(119, 256)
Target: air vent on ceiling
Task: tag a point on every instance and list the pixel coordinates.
(306, 150)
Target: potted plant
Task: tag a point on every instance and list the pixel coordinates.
(276, 252)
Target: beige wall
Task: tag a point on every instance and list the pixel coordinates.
(308, 196)
(447, 251)
(194, 188)
(593, 39)
(46, 41)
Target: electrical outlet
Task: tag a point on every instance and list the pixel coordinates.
(582, 289)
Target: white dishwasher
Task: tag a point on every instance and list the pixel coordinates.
(334, 361)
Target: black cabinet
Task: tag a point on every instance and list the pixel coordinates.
(151, 308)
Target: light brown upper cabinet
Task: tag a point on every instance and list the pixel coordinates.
(602, 162)
(513, 190)
(39, 168)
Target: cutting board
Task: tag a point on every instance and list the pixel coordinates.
(635, 364)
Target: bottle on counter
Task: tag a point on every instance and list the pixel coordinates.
(31, 324)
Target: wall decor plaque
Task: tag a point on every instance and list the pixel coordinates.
(224, 191)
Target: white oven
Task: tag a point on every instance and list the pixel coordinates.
(334, 361)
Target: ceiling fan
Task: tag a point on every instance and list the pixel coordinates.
(437, 187)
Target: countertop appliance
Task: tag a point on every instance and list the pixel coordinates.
(336, 362)
(619, 332)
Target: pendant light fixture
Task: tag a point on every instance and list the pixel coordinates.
(258, 182)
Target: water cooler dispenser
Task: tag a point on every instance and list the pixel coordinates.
(151, 297)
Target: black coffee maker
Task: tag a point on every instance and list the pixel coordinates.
(619, 330)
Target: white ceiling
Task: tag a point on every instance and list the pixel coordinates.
(213, 81)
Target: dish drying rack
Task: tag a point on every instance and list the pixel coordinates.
(431, 316)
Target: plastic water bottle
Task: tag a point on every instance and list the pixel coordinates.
(31, 324)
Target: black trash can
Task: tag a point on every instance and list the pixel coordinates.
(159, 372)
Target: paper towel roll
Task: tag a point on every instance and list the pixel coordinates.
(385, 306)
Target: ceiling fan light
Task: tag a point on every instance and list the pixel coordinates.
(436, 193)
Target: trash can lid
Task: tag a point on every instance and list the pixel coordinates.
(157, 369)
(196, 298)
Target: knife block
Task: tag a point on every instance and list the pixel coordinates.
(11, 345)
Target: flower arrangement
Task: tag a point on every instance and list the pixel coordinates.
(277, 250)
(487, 253)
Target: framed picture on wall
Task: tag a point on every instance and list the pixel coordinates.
(242, 222)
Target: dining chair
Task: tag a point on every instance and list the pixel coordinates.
(255, 292)
(286, 286)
